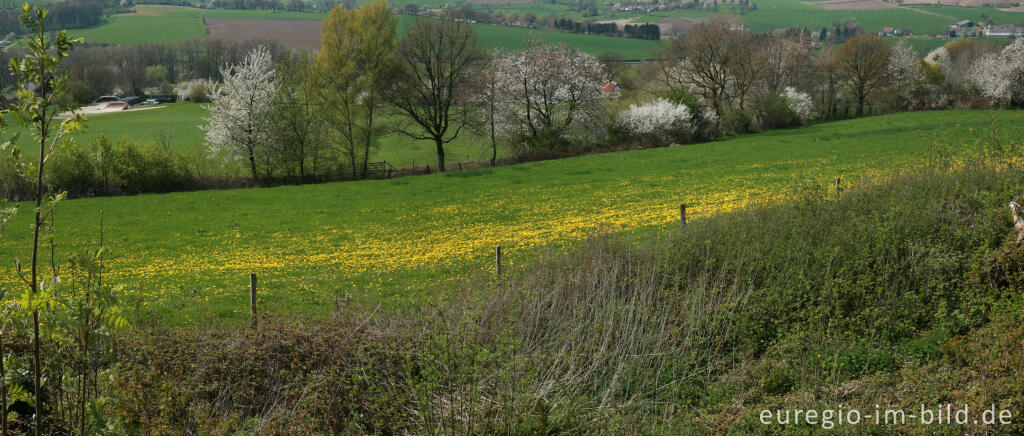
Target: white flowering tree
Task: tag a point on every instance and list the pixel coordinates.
(939, 58)
(904, 70)
(659, 120)
(549, 90)
(1000, 77)
(800, 103)
(489, 103)
(239, 124)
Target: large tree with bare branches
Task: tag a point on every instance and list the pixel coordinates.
(716, 61)
(863, 63)
(432, 74)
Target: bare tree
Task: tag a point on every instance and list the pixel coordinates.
(488, 103)
(298, 128)
(826, 82)
(708, 60)
(782, 62)
(863, 64)
(433, 62)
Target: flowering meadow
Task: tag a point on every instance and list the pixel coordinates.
(185, 257)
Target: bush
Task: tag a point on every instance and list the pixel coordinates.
(736, 120)
(657, 123)
(774, 112)
(13, 183)
(102, 168)
(700, 116)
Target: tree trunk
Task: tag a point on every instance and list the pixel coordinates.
(440, 154)
(36, 367)
(3, 390)
(494, 144)
(252, 164)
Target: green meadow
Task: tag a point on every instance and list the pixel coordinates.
(778, 14)
(185, 257)
(177, 126)
(159, 24)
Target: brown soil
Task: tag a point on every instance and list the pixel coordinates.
(853, 5)
(291, 33)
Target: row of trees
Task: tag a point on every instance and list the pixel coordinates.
(309, 115)
(66, 15)
(329, 112)
(642, 31)
(732, 70)
(129, 70)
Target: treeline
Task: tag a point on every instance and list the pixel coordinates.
(282, 5)
(641, 31)
(122, 70)
(67, 15)
(293, 117)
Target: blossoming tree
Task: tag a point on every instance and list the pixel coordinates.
(239, 123)
(1001, 76)
(550, 90)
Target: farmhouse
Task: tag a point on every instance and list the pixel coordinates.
(610, 88)
(1004, 30)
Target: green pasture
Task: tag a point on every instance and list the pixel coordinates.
(177, 126)
(780, 14)
(975, 14)
(185, 257)
(137, 29)
(156, 23)
(513, 38)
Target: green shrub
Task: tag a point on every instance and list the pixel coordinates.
(103, 168)
(736, 120)
(775, 112)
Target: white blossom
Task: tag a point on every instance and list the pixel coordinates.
(800, 103)
(549, 87)
(939, 57)
(659, 117)
(239, 123)
(904, 70)
(1001, 76)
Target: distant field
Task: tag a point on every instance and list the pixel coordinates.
(777, 14)
(925, 45)
(142, 29)
(975, 13)
(291, 33)
(512, 38)
(157, 23)
(185, 257)
(922, 20)
(178, 126)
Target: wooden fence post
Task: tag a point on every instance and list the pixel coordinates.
(497, 260)
(682, 215)
(252, 296)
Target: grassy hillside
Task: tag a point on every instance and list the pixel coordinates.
(902, 293)
(404, 241)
